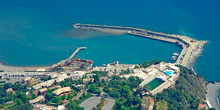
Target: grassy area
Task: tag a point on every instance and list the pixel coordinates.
(162, 105)
(8, 106)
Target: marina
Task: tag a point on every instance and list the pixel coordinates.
(191, 48)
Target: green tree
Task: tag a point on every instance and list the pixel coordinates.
(33, 96)
(126, 89)
(24, 107)
(73, 106)
(96, 79)
(211, 109)
(63, 97)
(49, 96)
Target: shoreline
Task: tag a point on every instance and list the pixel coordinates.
(194, 59)
(193, 51)
(10, 68)
(196, 54)
(212, 94)
(18, 66)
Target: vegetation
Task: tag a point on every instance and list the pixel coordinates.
(45, 78)
(211, 109)
(2, 81)
(50, 98)
(100, 73)
(100, 105)
(161, 105)
(73, 106)
(83, 98)
(188, 92)
(121, 89)
(94, 89)
(18, 98)
(148, 63)
(125, 72)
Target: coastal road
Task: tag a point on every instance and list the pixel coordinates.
(212, 94)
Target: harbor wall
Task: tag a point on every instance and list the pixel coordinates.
(192, 48)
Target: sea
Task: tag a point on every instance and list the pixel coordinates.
(39, 33)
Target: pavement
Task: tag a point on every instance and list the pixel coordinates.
(90, 102)
(95, 100)
(109, 105)
(212, 94)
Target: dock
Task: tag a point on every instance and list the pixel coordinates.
(68, 59)
(74, 53)
(191, 48)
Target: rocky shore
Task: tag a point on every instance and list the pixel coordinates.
(196, 53)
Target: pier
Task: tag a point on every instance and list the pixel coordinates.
(191, 48)
(69, 59)
(74, 53)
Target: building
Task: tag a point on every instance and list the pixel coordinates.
(9, 102)
(161, 66)
(176, 69)
(43, 107)
(36, 100)
(61, 107)
(55, 86)
(44, 84)
(202, 106)
(43, 91)
(62, 90)
(81, 86)
(36, 92)
(75, 77)
(163, 75)
(86, 80)
(80, 73)
(147, 103)
(29, 81)
(61, 77)
(114, 68)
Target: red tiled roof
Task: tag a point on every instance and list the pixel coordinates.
(36, 92)
(200, 105)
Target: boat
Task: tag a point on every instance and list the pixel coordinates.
(175, 54)
(173, 58)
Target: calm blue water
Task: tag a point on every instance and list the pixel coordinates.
(39, 32)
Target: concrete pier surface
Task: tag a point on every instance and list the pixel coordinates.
(68, 59)
(212, 94)
(192, 48)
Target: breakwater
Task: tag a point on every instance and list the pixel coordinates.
(191, 48)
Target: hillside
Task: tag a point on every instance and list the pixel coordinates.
(187, 94)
